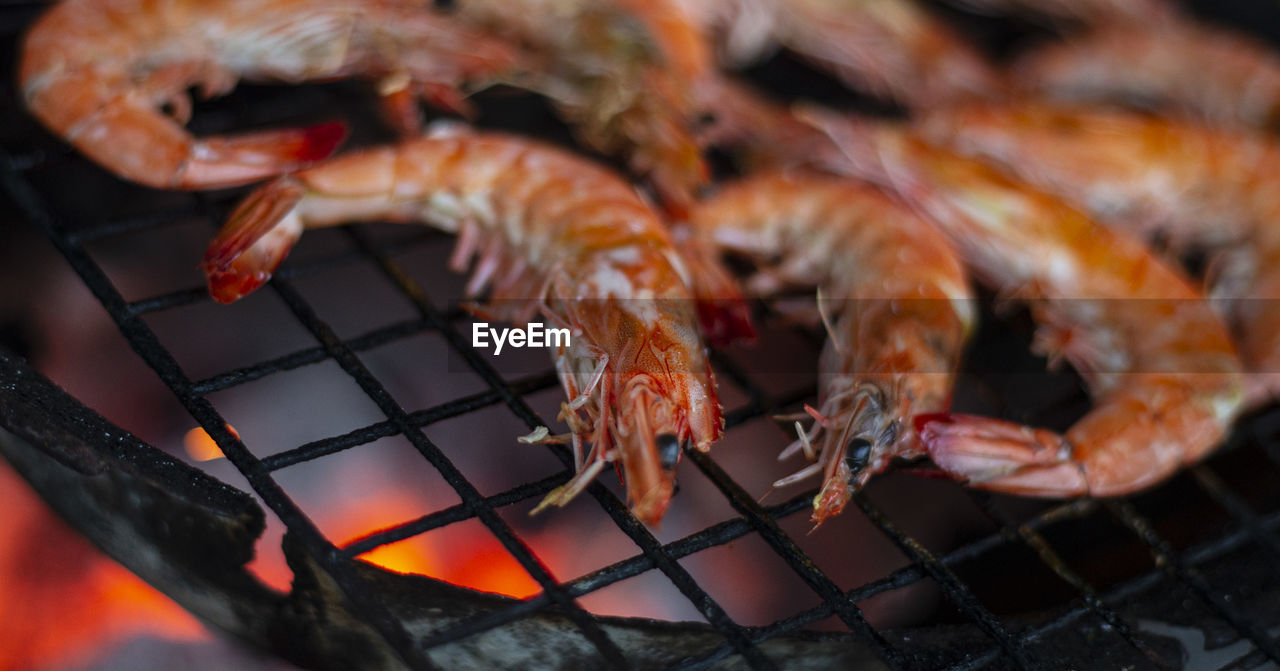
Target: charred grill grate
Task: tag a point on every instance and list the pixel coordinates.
(1003, 643)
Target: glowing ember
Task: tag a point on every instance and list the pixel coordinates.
(490, 568)
(200, 446)
(68, 602)
(480, 563)
(403, 557)
(462, 555)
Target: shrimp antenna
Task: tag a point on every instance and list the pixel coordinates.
(826, 322)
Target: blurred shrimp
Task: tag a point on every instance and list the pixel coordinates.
(624, 73)
(896, 297)
(1194, 185)
(1159, 364)
(1174, 67)
(550, 234)
(893, 49)
(112, 76)
(1149, 54)
(759, 131)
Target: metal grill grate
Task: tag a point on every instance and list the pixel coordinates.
(31, 161)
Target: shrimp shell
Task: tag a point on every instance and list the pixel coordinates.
(1196, 185)
(1176, 66)
(890, 48)
(895, 290)
(1162, 370)
(100, 73)
(624, 73)
(554, 235)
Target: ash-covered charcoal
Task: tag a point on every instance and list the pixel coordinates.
(331, 637)
(184, 532)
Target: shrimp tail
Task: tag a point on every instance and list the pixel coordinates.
(141, 144)
(255, 240)
(238, 159)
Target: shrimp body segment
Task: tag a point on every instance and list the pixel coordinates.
(550, 234)
(1198, 186)
(896, 293)
(111, 76)
(1193, 183)
(1160, 366)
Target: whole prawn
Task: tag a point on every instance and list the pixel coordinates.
(1172, 67)
(1162, 370)
(895, 290)
(1196, 185)
(111, 76)
(1149, 54)
(552, 234)
(890, 48)
(624, 73)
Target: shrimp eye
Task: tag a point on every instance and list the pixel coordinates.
(668, 450)
(444, 5)
(857, 454)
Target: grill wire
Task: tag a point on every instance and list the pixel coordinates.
(1006, 643)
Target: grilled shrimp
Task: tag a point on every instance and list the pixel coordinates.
(1177, 66)
(551, 234)
(1148, 54)
(1198, 186)
(1158, 362)
(111, 76)
(898, 296)
(889, 48)
(624, 72)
